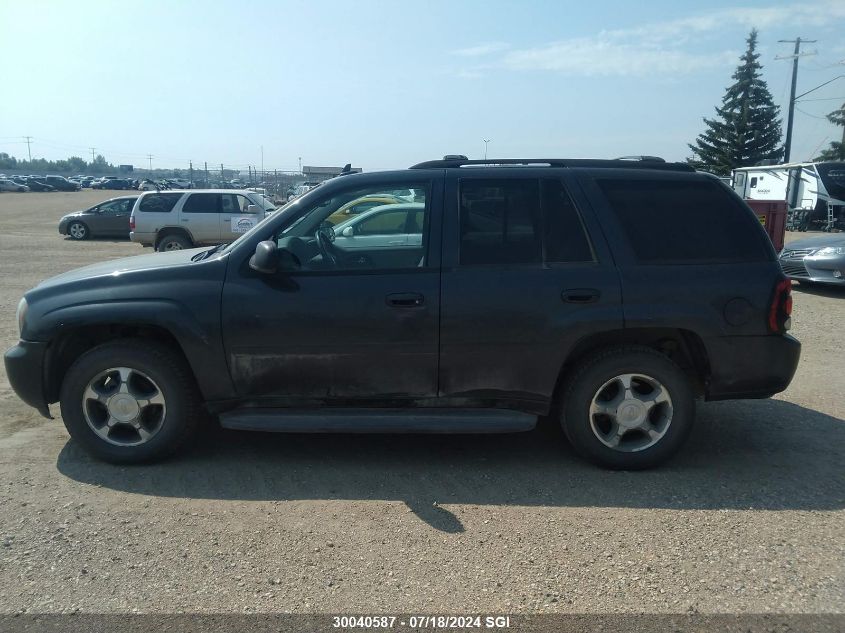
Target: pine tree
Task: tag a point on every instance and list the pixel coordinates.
(836, 151)
(747, 129)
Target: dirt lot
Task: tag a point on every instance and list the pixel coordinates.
(748, 519)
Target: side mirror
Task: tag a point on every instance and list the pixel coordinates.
(266, 258)
(253, 208)
(348, 232)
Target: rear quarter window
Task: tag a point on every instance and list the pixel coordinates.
(684, 222)
(159, 202)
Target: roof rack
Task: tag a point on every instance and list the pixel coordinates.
(644, 162)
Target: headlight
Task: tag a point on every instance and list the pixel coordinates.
(829, 251)
(21, 315)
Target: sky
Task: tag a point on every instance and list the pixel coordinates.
(384, 84)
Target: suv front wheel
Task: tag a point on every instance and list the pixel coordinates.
(628, 408)
(129, 402)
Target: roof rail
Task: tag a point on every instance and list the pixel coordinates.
(644, 162)
(653, 159)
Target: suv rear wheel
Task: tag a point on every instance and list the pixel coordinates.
(173, 242)
(129, 402)
(628, 408)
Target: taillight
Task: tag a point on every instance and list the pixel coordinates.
(780, 310)
(131, 222)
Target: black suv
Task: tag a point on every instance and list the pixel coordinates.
(606, 294)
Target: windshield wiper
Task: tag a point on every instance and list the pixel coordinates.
(206, 254)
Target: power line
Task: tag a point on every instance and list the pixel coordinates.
(815, 116)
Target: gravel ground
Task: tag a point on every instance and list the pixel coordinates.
(748, 519)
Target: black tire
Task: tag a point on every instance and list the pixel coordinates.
(586, 382)
(80, 229)
(170, 374)
(172, 242)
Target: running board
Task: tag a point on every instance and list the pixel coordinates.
(378, 420)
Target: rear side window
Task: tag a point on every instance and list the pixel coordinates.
(159, 202)
(566, 239)
(500, 222)
(685, 222)
(202, 203)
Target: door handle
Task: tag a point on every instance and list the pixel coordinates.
(405, 300)
(580, 295)
(185, 220)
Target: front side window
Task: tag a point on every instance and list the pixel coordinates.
(111, 208)
(387, 236)
(159, 202)
(500, 222)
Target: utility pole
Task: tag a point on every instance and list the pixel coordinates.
(300, 165)
(486, 140)
(92, 154)
(28, 150)
(262, 161)
(150, 158)
(206, 174)
(222, 177)
(191, 171)
(787, 146)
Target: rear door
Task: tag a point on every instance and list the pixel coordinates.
(200, 215)
(526, 276)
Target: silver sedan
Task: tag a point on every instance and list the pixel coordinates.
(816, 259)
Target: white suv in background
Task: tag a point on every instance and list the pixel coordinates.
(173, 220)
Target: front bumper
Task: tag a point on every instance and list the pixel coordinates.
(827, 270)
(25, 369)
(751, 366)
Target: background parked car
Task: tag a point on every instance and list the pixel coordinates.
(362, 204)
(37, 185)
(109, 218)
(173, 220)
(819, 259)
(61, 183)
(10, 185)
(112, 183)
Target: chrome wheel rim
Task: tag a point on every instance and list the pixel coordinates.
(172, 245)
(631, 412)
(124, 406)
(77, 230)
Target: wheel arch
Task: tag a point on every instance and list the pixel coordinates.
(684, 347)
(163, 322)
(172, 230)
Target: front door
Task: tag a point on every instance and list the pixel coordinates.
(113, 217)
(342, 327)
(235, 217)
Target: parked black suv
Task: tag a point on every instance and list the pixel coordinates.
(607, 294)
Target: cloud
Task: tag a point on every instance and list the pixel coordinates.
(604, 55)
(655, 48)
(482, 49)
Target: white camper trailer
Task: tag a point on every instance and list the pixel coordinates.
(815, 192)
